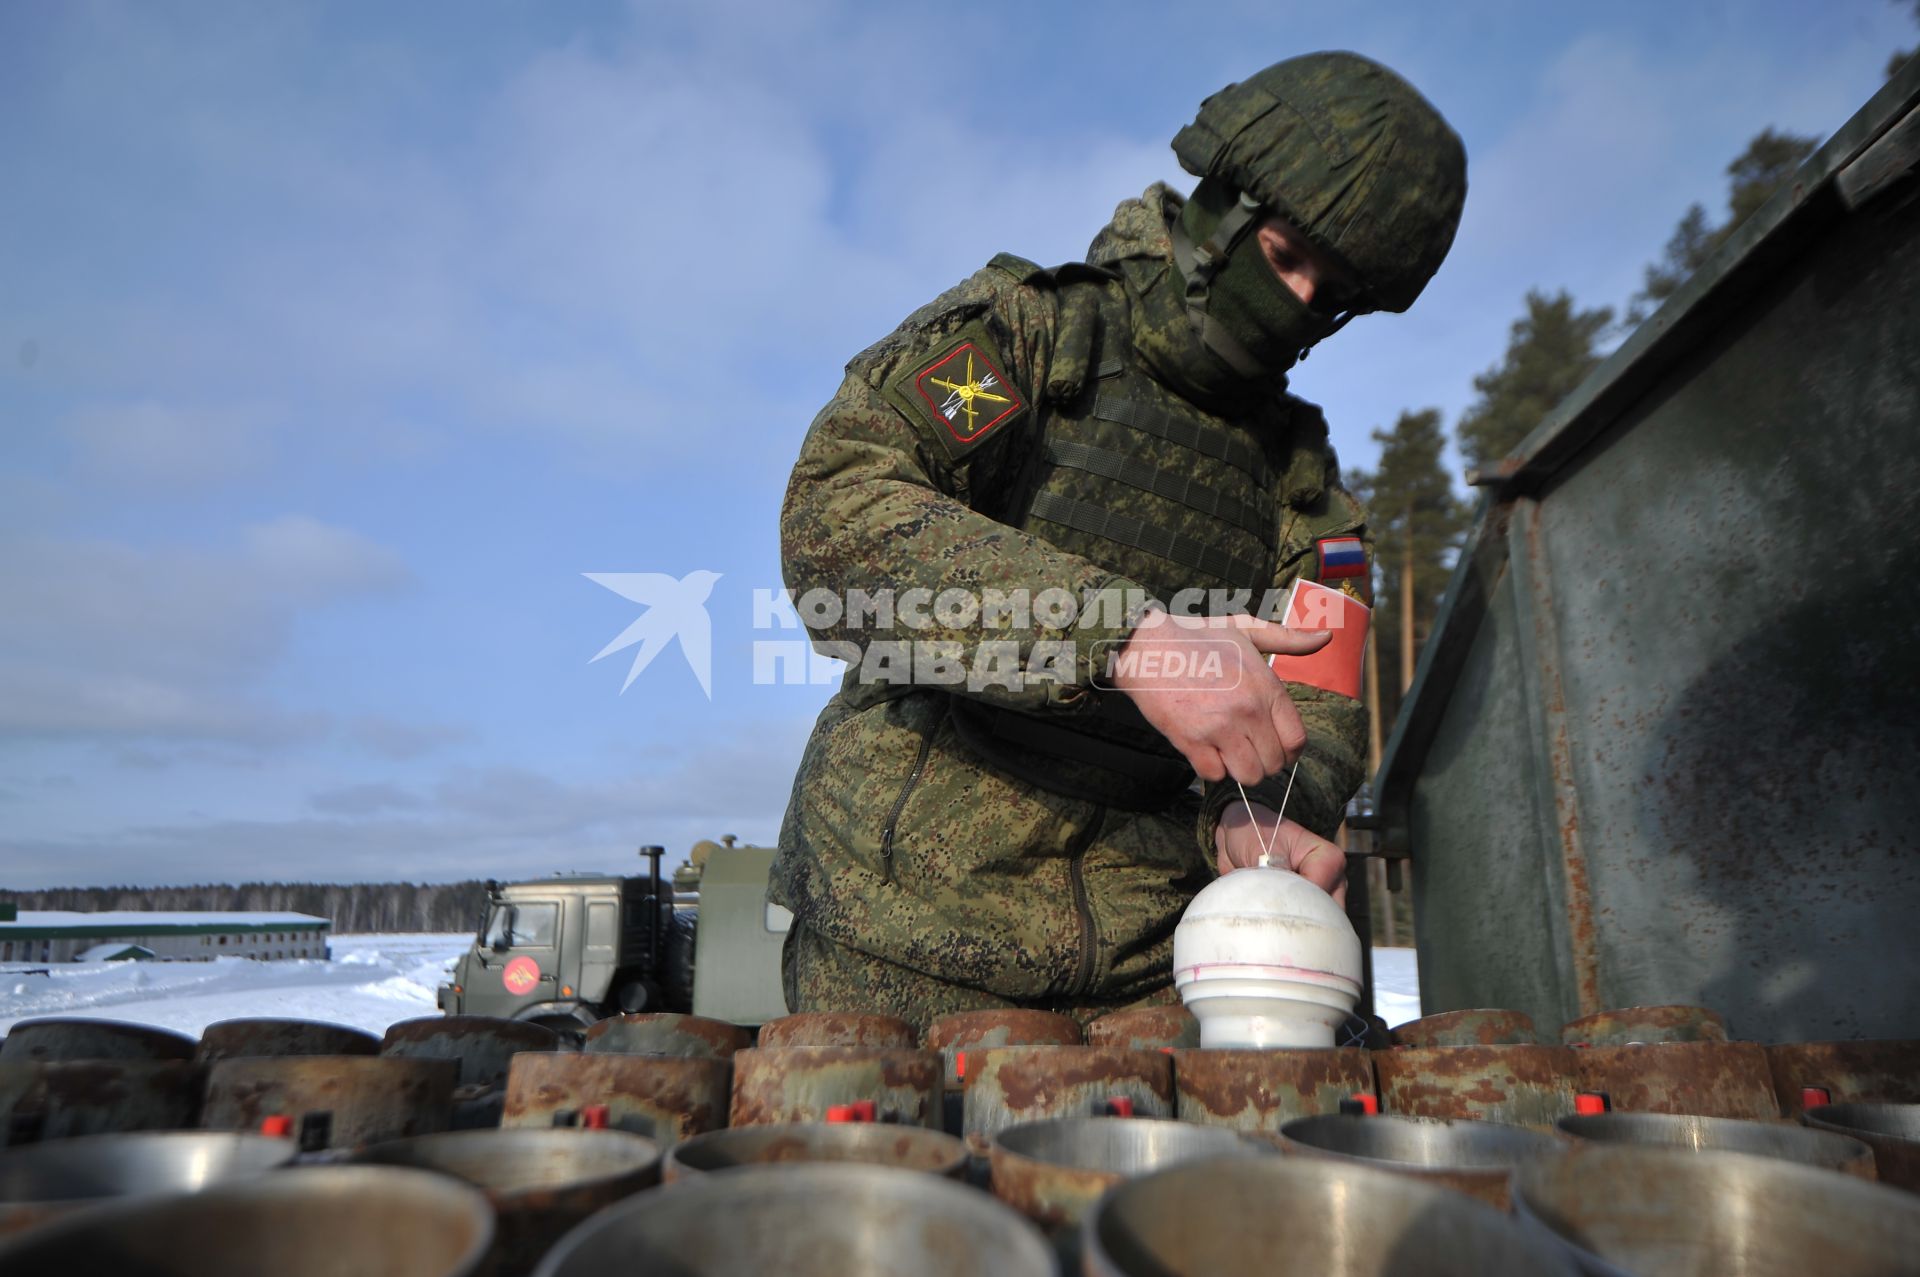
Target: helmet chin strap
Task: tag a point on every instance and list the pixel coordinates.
(1339, 321)
(1199, 264)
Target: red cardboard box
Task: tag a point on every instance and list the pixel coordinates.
(1340, 665)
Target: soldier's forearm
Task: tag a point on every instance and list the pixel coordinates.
(1331, 769)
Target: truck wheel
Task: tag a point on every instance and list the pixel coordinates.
(571, 1026)
(637, 995)
(677, 958)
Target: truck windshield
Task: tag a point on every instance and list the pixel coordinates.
(522, 926)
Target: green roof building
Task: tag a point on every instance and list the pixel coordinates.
(61, 936)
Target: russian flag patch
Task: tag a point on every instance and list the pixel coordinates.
(1341, 557)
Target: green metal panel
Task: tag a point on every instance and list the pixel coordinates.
(1470, 792)
(736, 974)
(1665, 745)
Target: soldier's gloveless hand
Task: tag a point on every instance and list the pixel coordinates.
(1240, 838)
(1203, 683)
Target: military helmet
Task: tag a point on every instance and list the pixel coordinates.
(1349, 153)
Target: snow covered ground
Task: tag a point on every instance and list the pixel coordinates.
(370, 982)
(1396, 986)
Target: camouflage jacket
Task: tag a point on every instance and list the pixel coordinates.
(898, 840)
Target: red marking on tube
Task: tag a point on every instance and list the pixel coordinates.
(1812, 1097)
(1592, 1103)
(594, 1117)
(1120, 1106)
(278, 1125)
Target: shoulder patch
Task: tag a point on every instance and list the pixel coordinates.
(959, 392)
(1337, 558)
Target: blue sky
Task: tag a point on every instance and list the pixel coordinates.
(338, 341)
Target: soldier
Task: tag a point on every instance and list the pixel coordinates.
(1035, 471)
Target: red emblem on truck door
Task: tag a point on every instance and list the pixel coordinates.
(521, 975)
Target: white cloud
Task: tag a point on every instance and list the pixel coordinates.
(1599, 135)
(505, 822)
(148, 443)
(635, 238)
(64, 702)
(624, 241)
(404, 741)
(302, 558)
(364, 800)
(107, 639)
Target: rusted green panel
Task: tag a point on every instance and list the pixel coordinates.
(1665, 746)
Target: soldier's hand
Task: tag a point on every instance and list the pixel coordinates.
(1204, 684)
(1238, 839)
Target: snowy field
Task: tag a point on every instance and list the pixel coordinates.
(371, 982)
(1396, 986)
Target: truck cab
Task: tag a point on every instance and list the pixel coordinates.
(568, 950)
(574, 948)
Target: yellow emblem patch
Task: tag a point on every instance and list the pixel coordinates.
(966, 390)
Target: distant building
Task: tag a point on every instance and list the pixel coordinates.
(50, 936)
(115, 951)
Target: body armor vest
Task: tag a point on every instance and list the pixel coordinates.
(1136, 479)
(1142, 483)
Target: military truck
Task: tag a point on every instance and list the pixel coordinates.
(568, 950)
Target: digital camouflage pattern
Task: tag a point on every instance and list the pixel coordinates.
(1172, 496)
(1348, 152)
(816, 973)
(922, 879)
(1220, 499)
